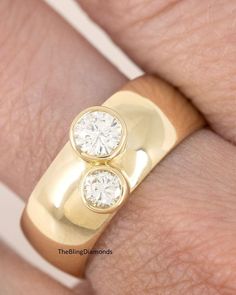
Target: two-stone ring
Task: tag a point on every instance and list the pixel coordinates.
(112, 148)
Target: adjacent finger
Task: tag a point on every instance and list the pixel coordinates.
(49, 74)
(189, 43)
(177, 233)
(17, 277)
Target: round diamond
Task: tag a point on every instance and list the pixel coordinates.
(102, 188)
(97, 133)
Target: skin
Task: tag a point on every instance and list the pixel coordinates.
(177, 234)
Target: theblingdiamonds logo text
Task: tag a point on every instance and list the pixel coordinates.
(84, 251)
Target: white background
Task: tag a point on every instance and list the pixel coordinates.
(10, 205)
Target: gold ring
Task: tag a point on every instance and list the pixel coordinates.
(112, 148)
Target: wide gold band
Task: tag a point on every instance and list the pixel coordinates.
(157, 118)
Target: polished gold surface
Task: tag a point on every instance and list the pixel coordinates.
(56, 215)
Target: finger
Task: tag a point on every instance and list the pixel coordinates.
(48, 141)
(18, 277)
(177, 233)
(189, 43)
(49, 73)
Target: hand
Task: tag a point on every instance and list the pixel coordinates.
(177, 234)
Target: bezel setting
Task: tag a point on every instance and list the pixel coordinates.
(118, 201)
(115, 151)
